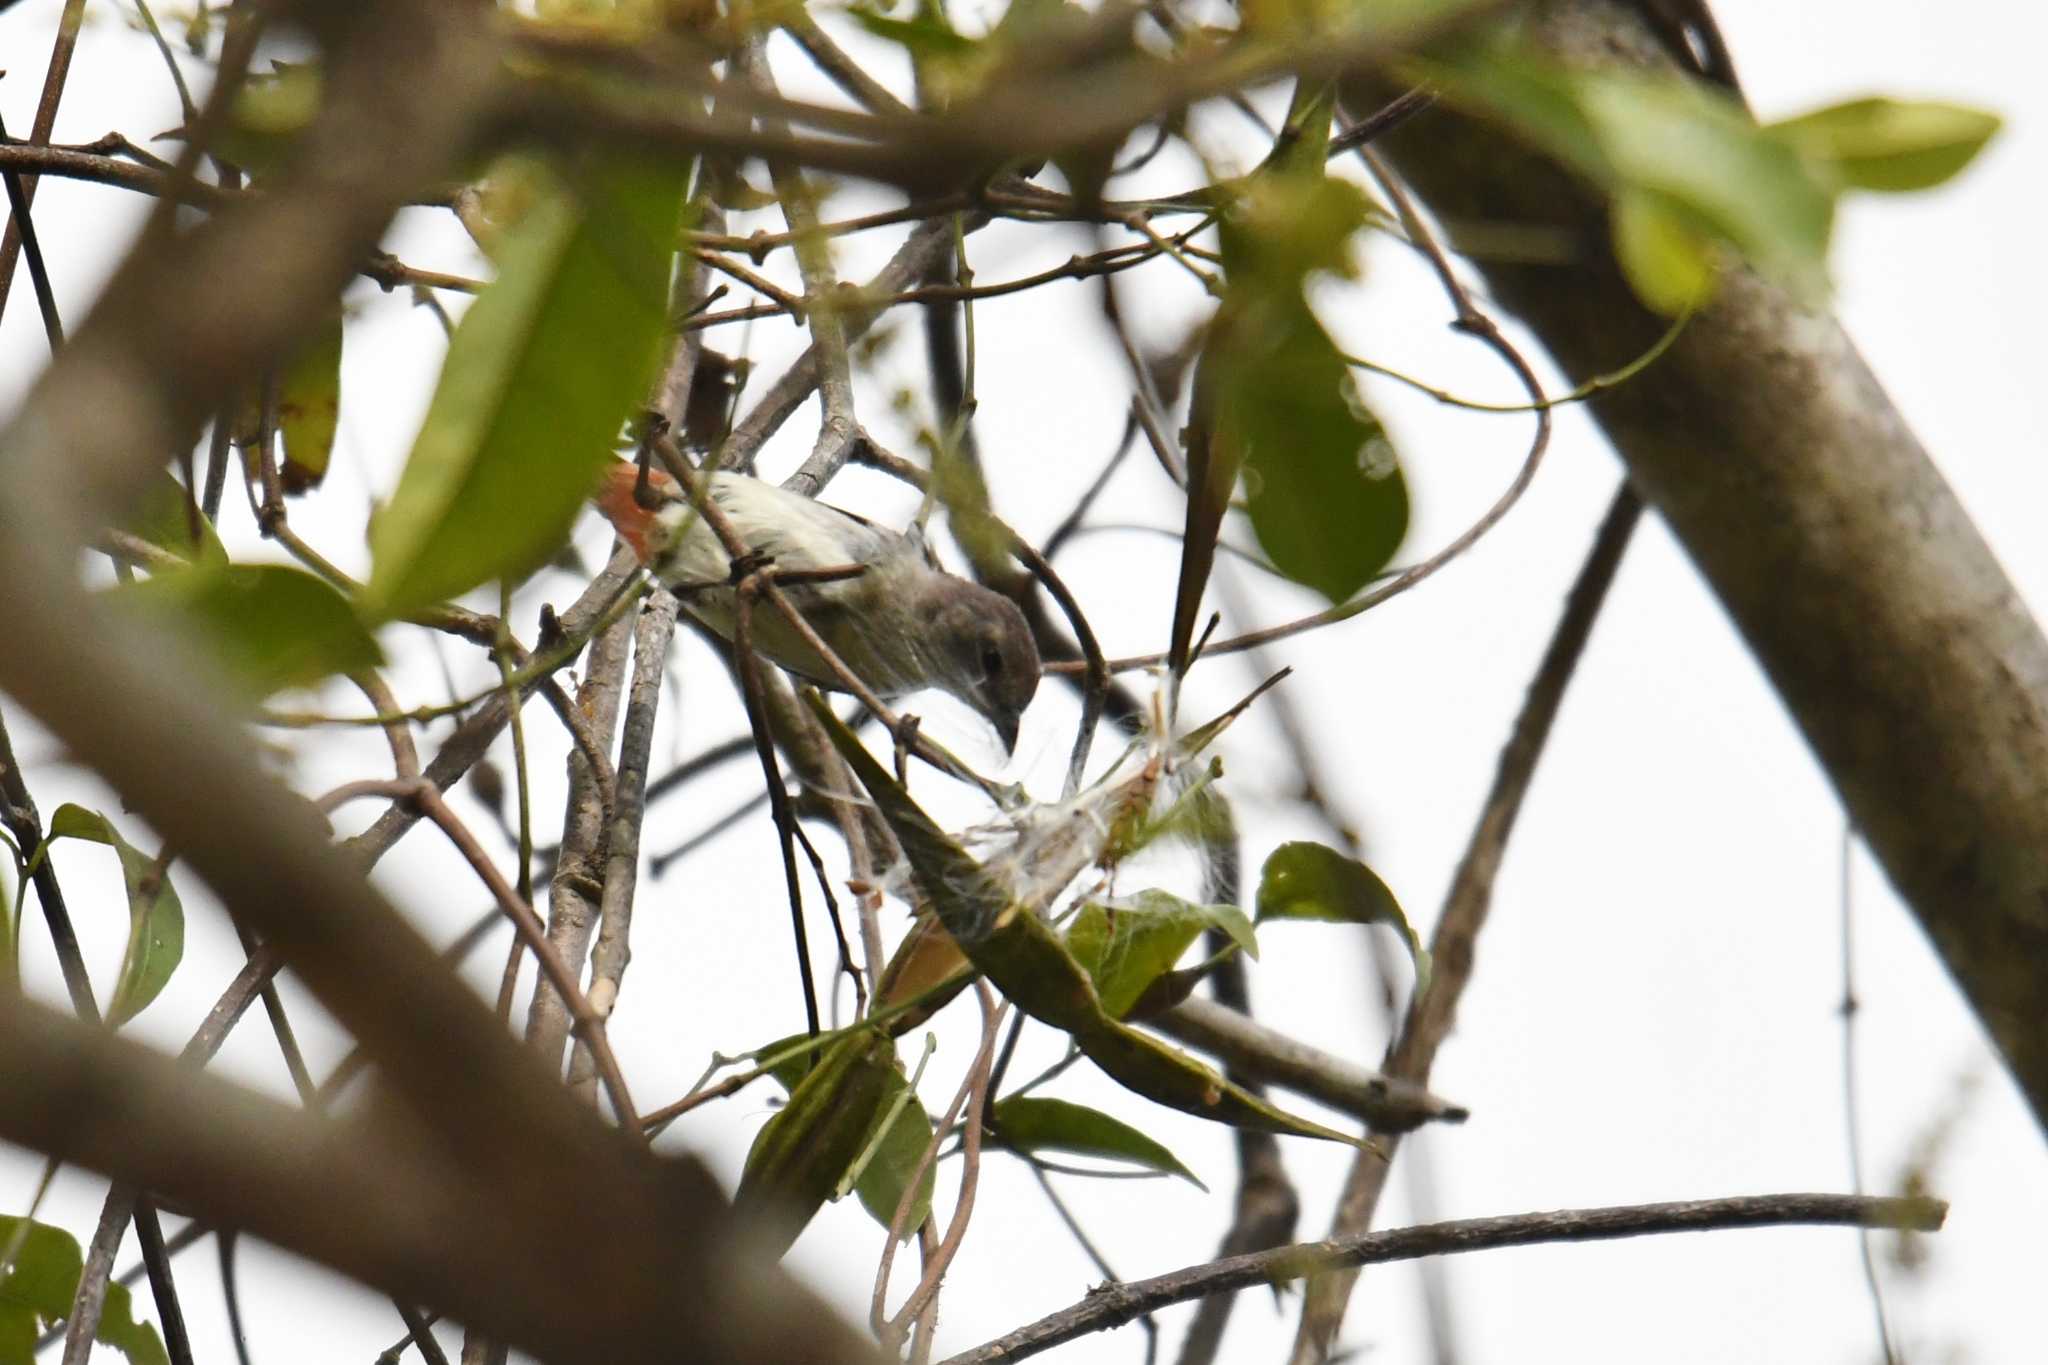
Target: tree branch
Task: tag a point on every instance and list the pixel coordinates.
(1899, 645)
(1114, 1305)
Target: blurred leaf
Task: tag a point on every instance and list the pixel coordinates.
(10, 962)
(1308, 881)
(156, 919)
(1890, 145)
(800, 1154)
(541, 374)
(1672, 267)
(1128, 944)
(271, 626)
(1283, 227)
(36, 1294)
(1693, 148)
(163, 518)
(309, 409)
(1030, 1124)
(1025, 959)
(950, 66)
(924, 34)
(270, 111)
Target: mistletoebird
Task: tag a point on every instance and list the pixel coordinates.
(902, 625)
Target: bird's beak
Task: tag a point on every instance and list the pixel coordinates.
(1006, 727)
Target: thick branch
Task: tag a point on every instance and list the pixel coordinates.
(1389, 1104)
(1883, 620)
(378, 1200)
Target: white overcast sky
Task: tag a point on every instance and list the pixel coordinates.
(1653, 1014)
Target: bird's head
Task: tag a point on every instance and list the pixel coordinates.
(991, 661)
(643, 527)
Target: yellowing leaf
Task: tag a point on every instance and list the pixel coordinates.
(1890, 145)
(1692, 147)
(1672, 267)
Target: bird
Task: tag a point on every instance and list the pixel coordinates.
(902, 625)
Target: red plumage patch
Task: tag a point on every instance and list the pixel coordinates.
(615, 499)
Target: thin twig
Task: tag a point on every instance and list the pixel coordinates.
(1467, 903)
(974, 1096)
(608, 959)
(61, 50)
(38, 269)
(1852, 1107)
(749, 664)
(588, 1024)
(1111, 1306)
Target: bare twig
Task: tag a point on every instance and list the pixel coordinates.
(61, 49)
(1114, 1305)
(23, 225)
(473, 738)
(796, 384)
(1466, 905)
(1390, 1104)
(608, 959)
(1852, 1108)
(838, 425)
(973, 1095)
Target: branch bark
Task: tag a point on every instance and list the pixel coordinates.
(1896, 641)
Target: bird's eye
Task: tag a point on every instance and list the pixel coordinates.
(991, 660)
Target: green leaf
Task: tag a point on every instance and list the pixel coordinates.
(163, 518)
(1890, 145)
(1283, 226)
(1322, 480)
(800, 1154)
(541, 374)
(1031, 1124)
(271, 626)
(309, 409)
(1308, 881)
(1128, 944)
(270, 112)
(887, 1175)
(1692, 147)
(888, 1171)
(37, 1289)
(1275, 400)
(1672, 267)
(156, 918)
(925, 34)
(1027, 961)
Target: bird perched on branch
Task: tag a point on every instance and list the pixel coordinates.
(900, 625)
